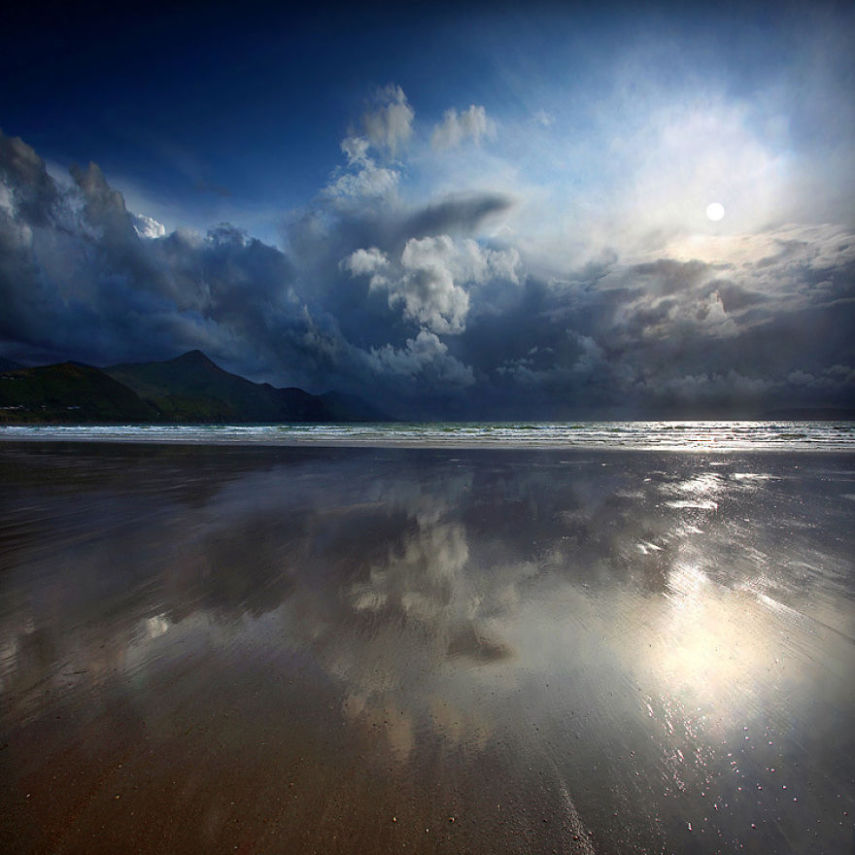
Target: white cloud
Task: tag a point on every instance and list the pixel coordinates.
(368, 182)
(356, 149)
(427, 289)
(390, 124)
(428, 280)
(148, 227)
(424, 354)
(473, 123)
(368, 262)
(367, 179)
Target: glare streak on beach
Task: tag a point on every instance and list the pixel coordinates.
(354, 649)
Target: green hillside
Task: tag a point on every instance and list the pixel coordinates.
(68, 392)
(192, 388)
(188, 389)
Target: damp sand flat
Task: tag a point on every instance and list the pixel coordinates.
(355, 650)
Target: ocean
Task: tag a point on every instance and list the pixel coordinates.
(651, 435)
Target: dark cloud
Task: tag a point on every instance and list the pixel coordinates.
(78, 280)
(735, 298)
(24, 170)
(405, 306)
(666, 276)
(463, 214)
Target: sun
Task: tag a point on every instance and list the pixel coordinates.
(715, 211)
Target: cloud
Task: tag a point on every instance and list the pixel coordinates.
(362, 178)
(387, 127)
(147, 227)
(78, 279)
(427, 289)
(28, 186)
(424, 354)
(460, 213)
(455, 128)
(366, 261)
(387, 288)
(104, 207)
(82, 277)
(389, 124)
(373, 263)
(428, 279)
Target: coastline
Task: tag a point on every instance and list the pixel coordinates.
(707, 436)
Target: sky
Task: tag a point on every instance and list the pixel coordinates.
(505, 210)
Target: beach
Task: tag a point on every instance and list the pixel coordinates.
(327, 649)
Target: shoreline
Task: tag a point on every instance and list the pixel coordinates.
(476, 448)
(703, 437)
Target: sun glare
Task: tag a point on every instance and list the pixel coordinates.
(715, 211)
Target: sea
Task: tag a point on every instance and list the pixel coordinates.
(702, 436)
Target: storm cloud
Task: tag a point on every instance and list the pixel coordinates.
(434, 306)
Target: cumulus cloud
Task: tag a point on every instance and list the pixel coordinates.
(455, 128)
(424, 354)
(386, 128)
(366, 261)
(30, 192)
(369, 180)
(82, 277)
(678, 337)
(362, 178)
(389, 124)
(148, 227)
(412, 304)
(428, 280)
(427, 289)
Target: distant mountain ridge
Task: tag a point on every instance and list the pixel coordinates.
(188, 389)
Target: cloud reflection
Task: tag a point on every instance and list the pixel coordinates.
(635, 612)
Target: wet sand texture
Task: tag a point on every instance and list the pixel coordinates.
(317, 650)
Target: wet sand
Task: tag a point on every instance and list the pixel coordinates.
(370, 651)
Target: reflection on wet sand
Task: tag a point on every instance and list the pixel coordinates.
(355, 650)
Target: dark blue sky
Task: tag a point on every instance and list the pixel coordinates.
(493, 210)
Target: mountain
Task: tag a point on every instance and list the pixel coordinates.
(190, 388)
(68, 392)
(9, 364)
(193, 388)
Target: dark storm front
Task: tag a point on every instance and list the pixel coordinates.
(412, 650)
